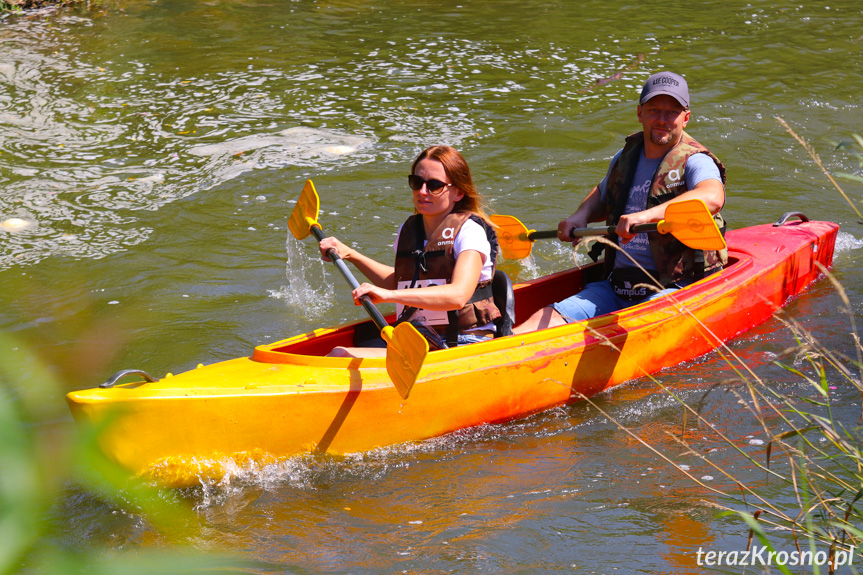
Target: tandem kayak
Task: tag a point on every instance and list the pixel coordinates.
(288, 399)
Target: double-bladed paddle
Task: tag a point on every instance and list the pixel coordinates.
(689, 221)
(406, 347)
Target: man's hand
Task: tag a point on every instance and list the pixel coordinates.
(591, 210)
(564, 228)
(628, 221)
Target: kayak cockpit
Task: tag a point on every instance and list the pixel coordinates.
(529, 297)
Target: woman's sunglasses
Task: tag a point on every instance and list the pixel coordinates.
(433, 186)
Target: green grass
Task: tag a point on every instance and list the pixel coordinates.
(42, 459)
(18, 7)
(7, 8)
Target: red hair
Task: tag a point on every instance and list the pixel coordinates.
(458, 173)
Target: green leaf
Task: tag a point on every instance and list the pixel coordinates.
(854, 177)
(813, 402)
(762, 536)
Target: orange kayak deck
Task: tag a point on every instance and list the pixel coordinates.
(287, 398)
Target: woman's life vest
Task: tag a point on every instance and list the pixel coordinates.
(674, 261)
(419, 265)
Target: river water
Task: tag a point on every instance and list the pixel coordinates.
(152, 151)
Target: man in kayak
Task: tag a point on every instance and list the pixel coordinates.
(445, 258)
(657, 166)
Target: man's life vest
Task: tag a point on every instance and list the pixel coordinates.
(433, 264)
(674, 261)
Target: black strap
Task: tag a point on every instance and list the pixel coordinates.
(421, 263)
(452, 328)
(596, 251)
(700, 268)
(481, 293)
(421, 259)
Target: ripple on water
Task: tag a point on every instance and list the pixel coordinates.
(89, 143)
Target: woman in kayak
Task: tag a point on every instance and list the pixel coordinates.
(445, 258)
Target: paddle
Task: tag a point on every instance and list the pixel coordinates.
(689, 221)
(406, 347)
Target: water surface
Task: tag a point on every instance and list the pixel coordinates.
(155, 149)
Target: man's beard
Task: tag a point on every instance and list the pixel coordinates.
(663, 140)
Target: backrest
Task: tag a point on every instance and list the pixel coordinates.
(501, 289)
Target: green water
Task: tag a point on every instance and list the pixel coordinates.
(155, 150)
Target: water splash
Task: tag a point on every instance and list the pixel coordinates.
(222, 478)
(845, 242)
(307, 289)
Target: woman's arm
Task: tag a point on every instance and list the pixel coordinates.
(381, 275)
(451, 296)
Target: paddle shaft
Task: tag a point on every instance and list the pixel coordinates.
(582, 232)
(346, 273)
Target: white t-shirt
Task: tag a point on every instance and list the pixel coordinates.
(471, 236)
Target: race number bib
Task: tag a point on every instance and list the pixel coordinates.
(426, 316)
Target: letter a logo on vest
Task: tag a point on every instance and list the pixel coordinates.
(674, 175)
(448, 233)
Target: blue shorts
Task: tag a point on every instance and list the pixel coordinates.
(597, 298)
(468, 337)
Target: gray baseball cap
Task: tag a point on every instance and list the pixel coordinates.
(667, 83)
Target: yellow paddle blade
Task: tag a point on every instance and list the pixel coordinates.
(512, 237)
(406, 352)
(691, 222)
(305, 214)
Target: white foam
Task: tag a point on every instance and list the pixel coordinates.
(299, 143)
(846, 242)
(16, 224)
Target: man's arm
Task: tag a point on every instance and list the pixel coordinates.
(592, 209)
(708, 187)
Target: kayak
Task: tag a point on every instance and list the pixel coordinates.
(287, 398)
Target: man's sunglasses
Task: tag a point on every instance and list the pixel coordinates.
(433, 186)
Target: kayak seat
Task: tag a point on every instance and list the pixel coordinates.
(504, 299)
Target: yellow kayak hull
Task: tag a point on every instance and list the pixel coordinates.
(288, 399)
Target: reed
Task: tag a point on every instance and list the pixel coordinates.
(822, 460)
(811, 456)
(855, 148)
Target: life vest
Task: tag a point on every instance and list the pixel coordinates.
(674, 261)
(433, 264)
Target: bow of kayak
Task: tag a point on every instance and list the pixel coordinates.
(287, 398)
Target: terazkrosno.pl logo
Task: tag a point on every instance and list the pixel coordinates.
(763, 556)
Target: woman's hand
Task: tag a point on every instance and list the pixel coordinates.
(332, 243)
(375, 293)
